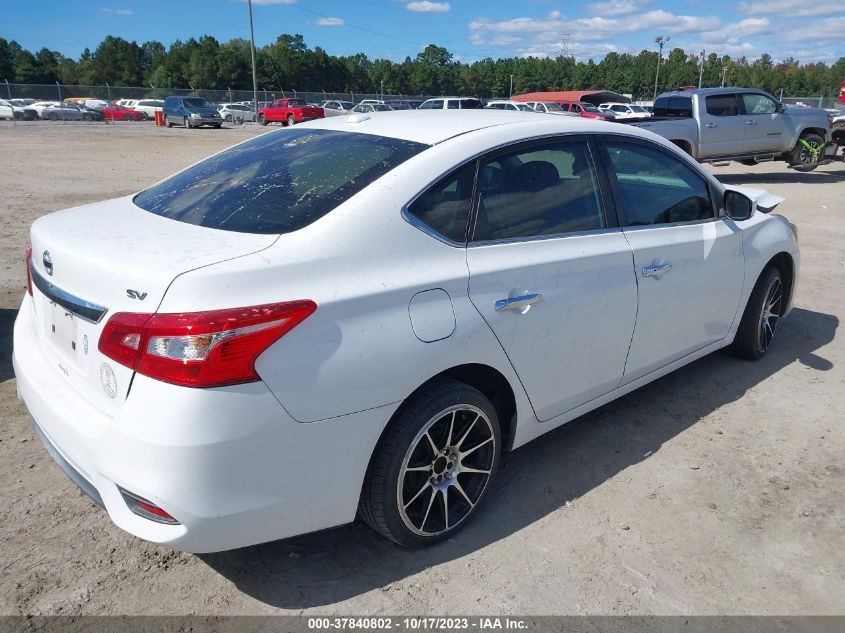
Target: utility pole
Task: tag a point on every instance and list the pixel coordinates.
(661, 40)
(701, 70)
(252, 51)
(510, 95)
(724, 72)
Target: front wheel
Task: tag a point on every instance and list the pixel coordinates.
(262, 120)
(762, 315)
(807, 152)
(434, 465)
(186, 123)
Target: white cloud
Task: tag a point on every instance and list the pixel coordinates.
(117, 11)
(331, 22)
(424, 6)
(793, 8)
(732, 33)
(616, 7)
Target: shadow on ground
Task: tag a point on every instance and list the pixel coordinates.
(334, 565)
(7, 320)
(785, 177)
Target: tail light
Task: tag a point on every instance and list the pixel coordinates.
(200, 349)
(28, 259)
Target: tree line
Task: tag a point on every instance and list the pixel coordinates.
(289, 64)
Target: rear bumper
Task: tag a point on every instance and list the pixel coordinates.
(229, 463)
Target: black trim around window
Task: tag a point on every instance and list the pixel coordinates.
(622, 217)
(605, 199)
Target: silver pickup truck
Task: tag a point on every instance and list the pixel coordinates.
(742, 124)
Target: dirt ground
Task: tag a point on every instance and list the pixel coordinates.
(719, 489)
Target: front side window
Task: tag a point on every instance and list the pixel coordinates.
(758, 104)
(722, 105)
(194, 102)
(445, 207)
(546, 190)
(657, 188)
(277, 182)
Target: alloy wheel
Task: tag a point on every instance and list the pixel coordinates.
(770, 315)
(446, 470)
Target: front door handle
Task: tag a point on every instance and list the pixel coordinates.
(751, 122)
(521, 303)
(655, 270)
(710, 125)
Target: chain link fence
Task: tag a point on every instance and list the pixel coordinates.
(819, 101)
(60, 92)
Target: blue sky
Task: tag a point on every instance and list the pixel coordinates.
(809, 30)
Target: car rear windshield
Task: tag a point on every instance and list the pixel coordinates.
(278, 182)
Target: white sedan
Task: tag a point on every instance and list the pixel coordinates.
(358, 315)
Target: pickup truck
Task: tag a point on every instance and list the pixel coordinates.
(288, 112)
(742, 124)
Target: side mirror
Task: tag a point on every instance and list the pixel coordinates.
(738, 206)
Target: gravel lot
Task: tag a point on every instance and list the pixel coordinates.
(719, 489)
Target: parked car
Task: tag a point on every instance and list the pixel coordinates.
(235, 112)
(586, 110)
(190, 112)
(289, 111)
(402, 104)
(452, 103)
(149, 107)
(626, 110)
(121, 113)
(549, 107)
(8, 111)
(509, 105)
(65, 112)
(372, 107)
(371, 101)
(336, 108)
(211, 361)
(126, 103)
(742, 124)
(39, 106)
(95, 104)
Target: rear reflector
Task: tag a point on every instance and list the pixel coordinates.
(28, 261)
(200, 349)
(146, 509)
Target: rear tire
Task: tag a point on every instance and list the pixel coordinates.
(291, 120)
(167, 122)
(434, 465)
(762, 315)
(802, 159)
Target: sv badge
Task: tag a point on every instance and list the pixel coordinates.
(135, 294)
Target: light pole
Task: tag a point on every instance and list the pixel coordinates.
(661, 40)
(510, 95)
(724, 72)
(701, 70)
(252, 51)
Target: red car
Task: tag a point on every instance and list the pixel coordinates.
(586, 110)
(119, 113)
(289, 111)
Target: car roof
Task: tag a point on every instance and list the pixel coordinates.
(435, 126)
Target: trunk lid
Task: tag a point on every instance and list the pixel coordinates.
(93, 261)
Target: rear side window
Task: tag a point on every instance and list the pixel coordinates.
(722, 105)
(432, 105)
(278, 182)
(548, 190)
(656, 188)
(676, 106)
(445, 207)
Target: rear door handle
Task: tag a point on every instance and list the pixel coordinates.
(517, 303)
(751, 123)
(655, 270)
